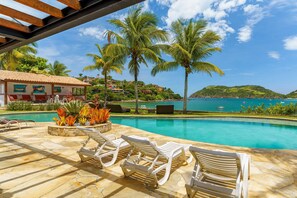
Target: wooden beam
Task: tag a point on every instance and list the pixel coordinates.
(71, 3)
(13, 25)
(43, 7)
(20, 15)
(3, 40)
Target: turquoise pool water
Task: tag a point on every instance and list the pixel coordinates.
(234, 132)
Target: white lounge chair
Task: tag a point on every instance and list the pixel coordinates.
(152, 159)
(219, 174)
(108, 146)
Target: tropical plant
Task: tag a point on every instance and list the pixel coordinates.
(136, 39)
(70, 120)
(85, 111)
(99, 115)
(61, 121)
(61, 112)
(107, 64)
(32, 64)
(82, 121)
(9, 60)
(192, 43)
(73, 107)
(58, 69)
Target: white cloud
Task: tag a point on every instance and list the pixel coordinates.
(95, 32)
(244, 34)
(216, 14)
(274, 55)
(215, 11)
(290, 43)
(221, 28)
(255, 14)
(230, 4)
(186, 9)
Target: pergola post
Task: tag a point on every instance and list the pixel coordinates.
(53, 91)
(5, 92)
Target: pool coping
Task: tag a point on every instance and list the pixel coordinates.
(262, 117)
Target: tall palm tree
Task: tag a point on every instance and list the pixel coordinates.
(10, 59)
(191, 45)
(58, 69)
(136, 39)
(107, 64)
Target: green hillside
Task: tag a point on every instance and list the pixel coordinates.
(121, 90)
(247, 91)
(293, 94)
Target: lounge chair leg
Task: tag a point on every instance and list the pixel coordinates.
(167, 174)
(114, 158)
(126, 172)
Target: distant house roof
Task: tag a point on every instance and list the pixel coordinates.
(39, 78)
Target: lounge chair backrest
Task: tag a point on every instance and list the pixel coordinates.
(217, 162)
(97, 136)
(143, 145)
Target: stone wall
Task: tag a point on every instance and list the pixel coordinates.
(73, 131)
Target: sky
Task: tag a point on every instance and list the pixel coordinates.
(259, 43)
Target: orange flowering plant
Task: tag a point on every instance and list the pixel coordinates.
(85, 115)
(70, 120)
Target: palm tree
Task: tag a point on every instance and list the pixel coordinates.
(58, 69)
(136, 39)
(107, 64)
(192, 43)
(10, 59)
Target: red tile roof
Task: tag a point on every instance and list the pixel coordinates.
(39, 78)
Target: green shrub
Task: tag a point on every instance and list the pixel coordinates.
(49, 107)
(19, 106)
(41, 107)
(277, 109)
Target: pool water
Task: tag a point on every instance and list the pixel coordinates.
(234, 132)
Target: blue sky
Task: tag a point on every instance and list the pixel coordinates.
(259, 43)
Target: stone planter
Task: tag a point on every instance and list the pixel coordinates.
(70, 131)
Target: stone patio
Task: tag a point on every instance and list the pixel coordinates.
(36, 164)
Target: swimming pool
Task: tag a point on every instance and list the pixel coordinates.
(252, 133)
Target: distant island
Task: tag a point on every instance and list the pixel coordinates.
(246, 91)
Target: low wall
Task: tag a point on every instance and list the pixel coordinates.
(70, 131)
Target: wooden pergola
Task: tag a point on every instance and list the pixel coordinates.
(13, 33)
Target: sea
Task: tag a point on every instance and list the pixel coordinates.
(214, 104)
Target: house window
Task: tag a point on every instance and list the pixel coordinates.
(78, 91)
(19, 88)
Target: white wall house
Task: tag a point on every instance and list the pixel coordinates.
(38, 87)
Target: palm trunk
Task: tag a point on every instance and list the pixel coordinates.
(105, 90)
(136, 92)
(185, 93)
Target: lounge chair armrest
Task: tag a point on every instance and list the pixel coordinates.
(111, 137)
(180, 148)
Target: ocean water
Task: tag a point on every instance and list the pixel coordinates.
(215, 104)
